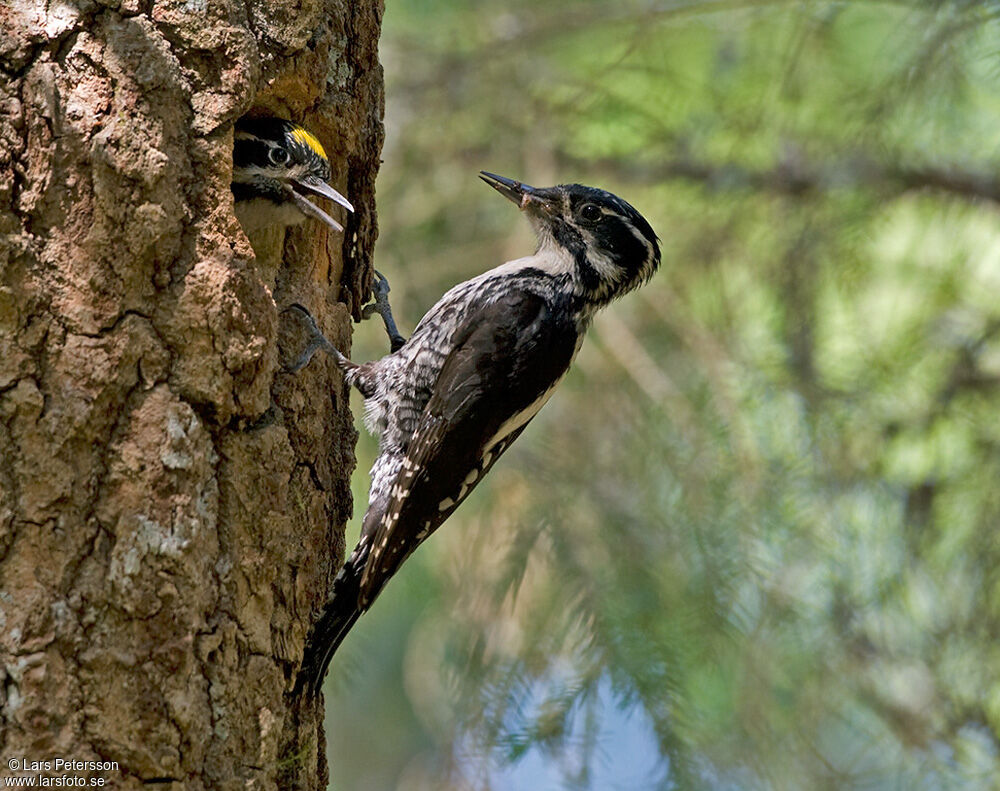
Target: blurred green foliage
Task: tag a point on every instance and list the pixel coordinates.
(763, 510)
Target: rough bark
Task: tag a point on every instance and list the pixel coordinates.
(171, 503)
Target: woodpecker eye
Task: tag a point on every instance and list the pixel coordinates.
(590, 212)
(278, 156)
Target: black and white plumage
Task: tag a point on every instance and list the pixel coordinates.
(477, 369)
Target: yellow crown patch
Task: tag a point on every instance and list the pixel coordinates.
(307, 138)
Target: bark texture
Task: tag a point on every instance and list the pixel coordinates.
(171, 503)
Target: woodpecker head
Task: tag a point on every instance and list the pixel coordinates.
(276, 164)
(611, 247)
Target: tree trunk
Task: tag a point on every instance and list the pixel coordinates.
(171, 503)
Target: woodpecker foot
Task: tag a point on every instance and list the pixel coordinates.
(384, 309)
(317, 340)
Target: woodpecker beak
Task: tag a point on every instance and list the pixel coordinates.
(523, 195)
(510, 189)
(314, 186)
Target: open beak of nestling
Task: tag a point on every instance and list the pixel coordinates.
(523, 195)
(298, 188)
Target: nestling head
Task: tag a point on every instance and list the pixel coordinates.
(276, 164)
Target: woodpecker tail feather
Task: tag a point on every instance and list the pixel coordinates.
(339, 614)
(327, 635)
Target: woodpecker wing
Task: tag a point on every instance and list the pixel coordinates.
(506, 358)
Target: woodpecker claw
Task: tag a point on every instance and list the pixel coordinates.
(317, 340)
(381, 306)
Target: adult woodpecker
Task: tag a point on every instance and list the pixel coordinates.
(478, 367)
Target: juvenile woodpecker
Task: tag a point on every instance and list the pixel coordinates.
(476, 370)
(276, 164)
